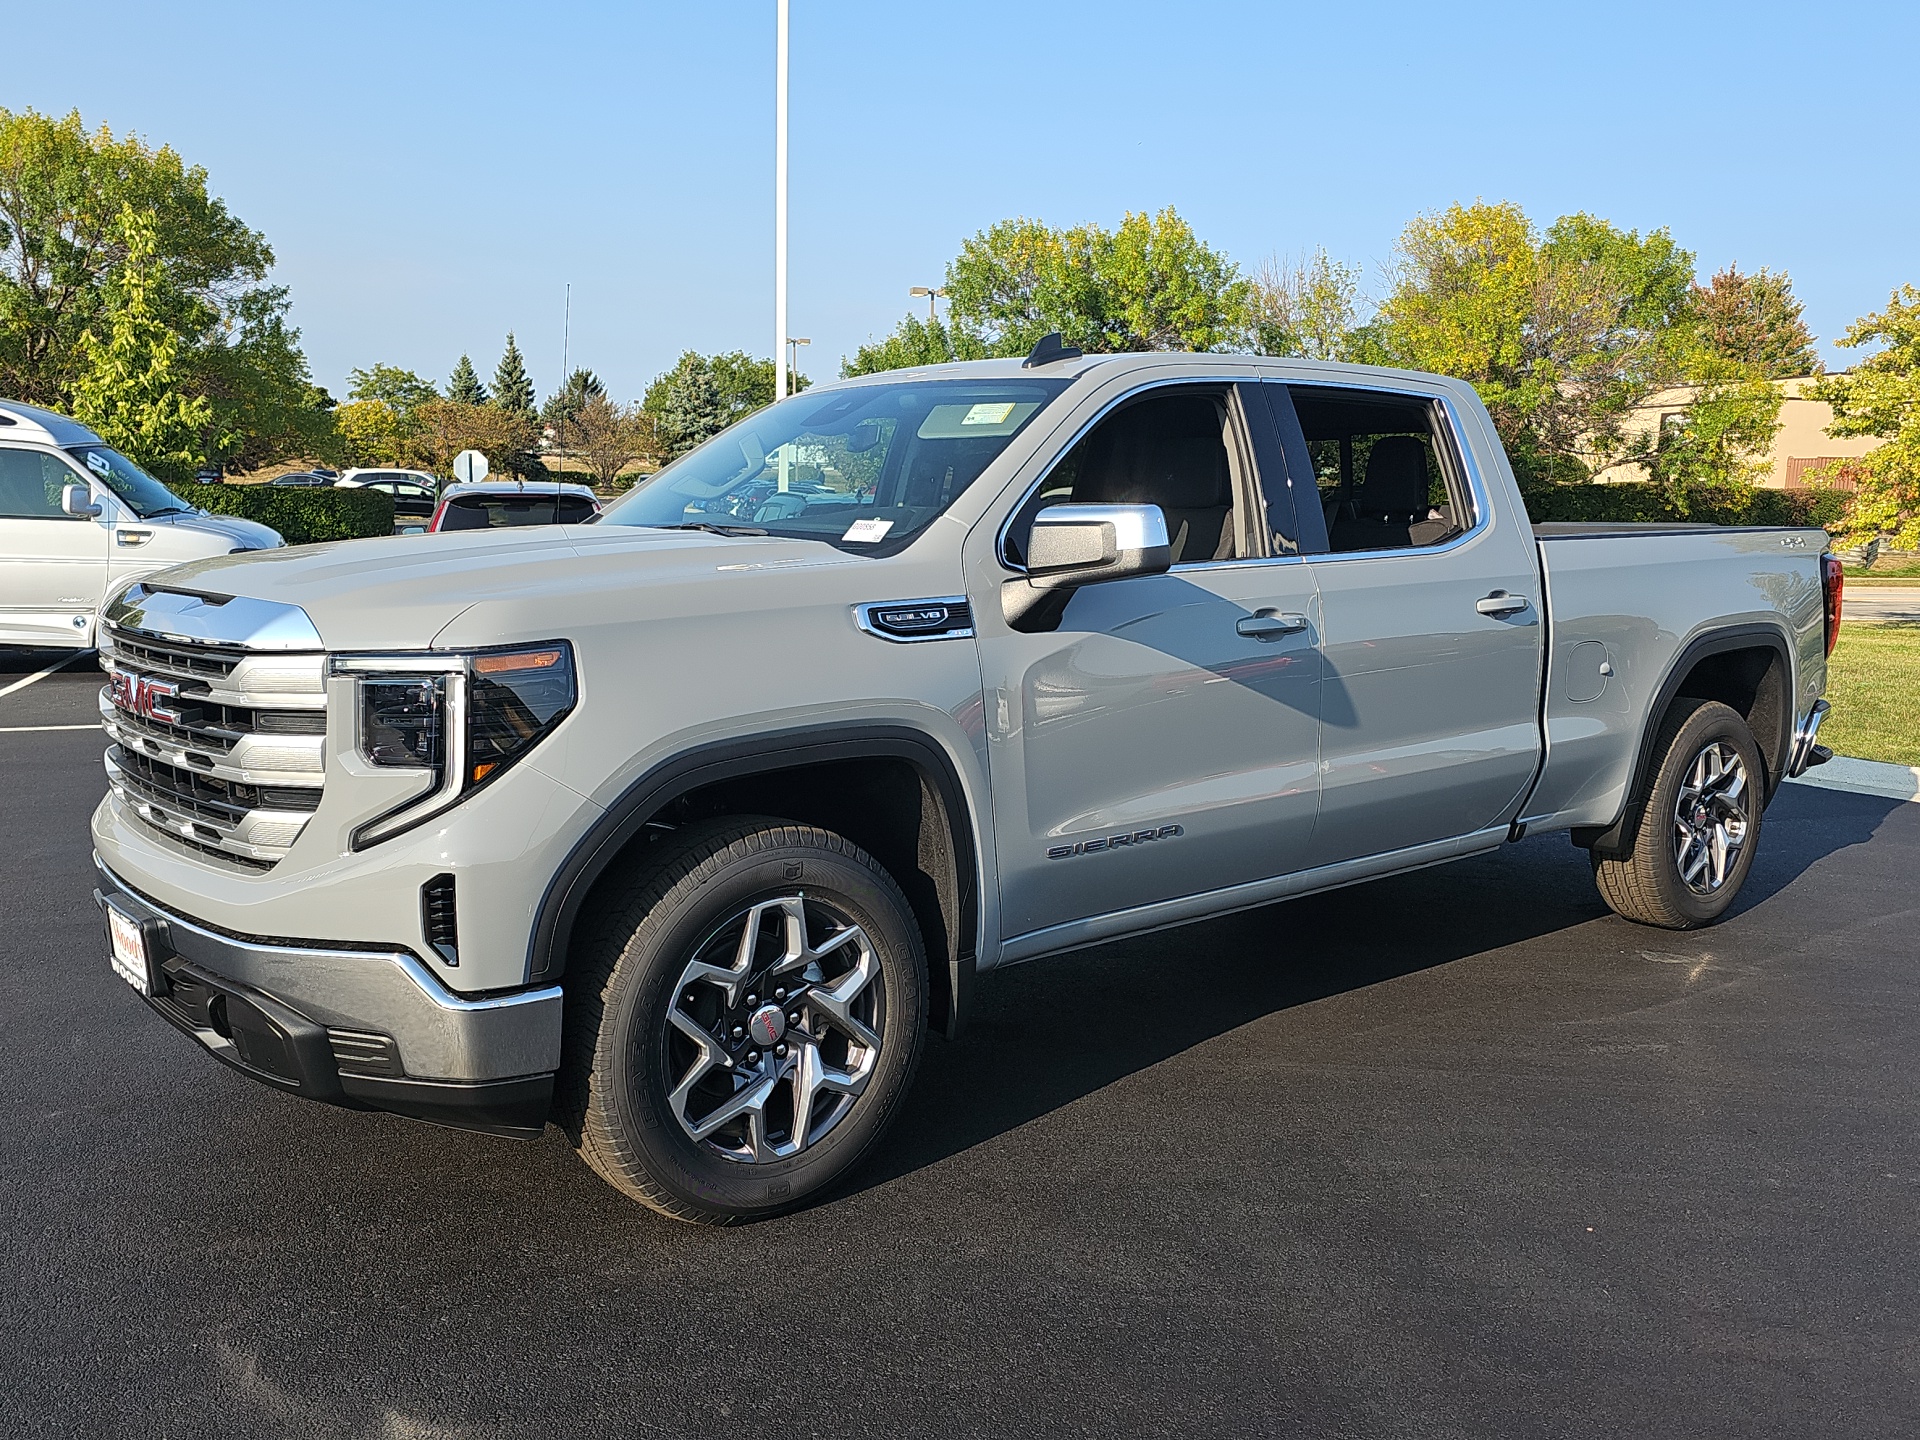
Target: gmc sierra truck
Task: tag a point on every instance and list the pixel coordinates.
(682, 828)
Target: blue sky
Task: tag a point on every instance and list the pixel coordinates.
(431, 176)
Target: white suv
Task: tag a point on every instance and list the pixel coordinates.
(78, 520)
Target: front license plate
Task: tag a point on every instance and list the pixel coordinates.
(129, 948)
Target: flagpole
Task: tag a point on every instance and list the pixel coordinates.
(780, 210)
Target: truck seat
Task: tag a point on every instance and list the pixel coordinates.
(1185, 475)
(1390, 509)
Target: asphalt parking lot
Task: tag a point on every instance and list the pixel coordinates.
(1454, 1154)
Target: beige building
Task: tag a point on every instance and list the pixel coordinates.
(1801, 443)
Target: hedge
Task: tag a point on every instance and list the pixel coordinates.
(301, 514)
(1701, 504)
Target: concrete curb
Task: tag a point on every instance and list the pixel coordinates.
(1865, 777)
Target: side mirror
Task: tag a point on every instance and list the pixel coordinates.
(1074, 545)
(77, 500)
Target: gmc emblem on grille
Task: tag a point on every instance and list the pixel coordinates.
(145, 696)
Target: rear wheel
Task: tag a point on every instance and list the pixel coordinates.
(1698, 822)
(743, 1022)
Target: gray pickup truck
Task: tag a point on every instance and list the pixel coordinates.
(681, 829)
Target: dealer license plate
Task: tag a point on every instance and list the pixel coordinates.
(129, 947)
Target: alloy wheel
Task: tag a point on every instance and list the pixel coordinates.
(774, 1029)
(1710, 818)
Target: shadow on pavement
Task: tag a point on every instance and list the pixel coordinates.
(1048, 1033)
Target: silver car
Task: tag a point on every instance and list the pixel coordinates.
(79, 520)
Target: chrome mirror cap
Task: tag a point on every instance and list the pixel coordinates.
(1072, 545)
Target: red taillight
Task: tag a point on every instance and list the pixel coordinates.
(433, 525)
(1833, 581)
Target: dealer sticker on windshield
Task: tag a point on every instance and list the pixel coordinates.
(990, 414)
(867, 532)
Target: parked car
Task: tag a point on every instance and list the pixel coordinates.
(497, 504)
(302, 477)
(79, 520)
(415, 493)
(684, 828)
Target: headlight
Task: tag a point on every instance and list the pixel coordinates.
(463, 719)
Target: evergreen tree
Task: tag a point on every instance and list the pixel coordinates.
(563, 407)
(512, 389)
(689, 406)
(463, 385)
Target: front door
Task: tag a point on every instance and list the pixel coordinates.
(1161, 739)
(53, 566)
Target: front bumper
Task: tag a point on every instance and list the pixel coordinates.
(369, 1029)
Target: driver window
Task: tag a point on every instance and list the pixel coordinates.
(32, 484)
(1167, 449)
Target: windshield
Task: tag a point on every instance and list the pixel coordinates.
(142, 494)
(866, 468)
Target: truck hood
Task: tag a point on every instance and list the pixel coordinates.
(401, 592)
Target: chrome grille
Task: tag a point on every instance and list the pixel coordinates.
(218, 747)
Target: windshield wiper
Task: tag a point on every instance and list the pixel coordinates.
(168, 510)
(715, 529)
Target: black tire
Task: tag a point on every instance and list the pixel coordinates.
(614, 1096)
(1647, 885)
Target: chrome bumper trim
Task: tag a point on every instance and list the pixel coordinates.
(439, 1035)
(1800, 756)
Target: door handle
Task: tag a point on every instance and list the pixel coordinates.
(1268, 626)
(132, 537)
(1501, 603)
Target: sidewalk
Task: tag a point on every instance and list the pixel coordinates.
(1865, 777)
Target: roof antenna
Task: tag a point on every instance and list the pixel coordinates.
(1050, 349)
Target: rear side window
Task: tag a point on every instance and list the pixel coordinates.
(1384, 466)
(32, 484)
(492, 512)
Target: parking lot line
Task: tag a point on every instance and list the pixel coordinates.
(36, 729)
(42, 674)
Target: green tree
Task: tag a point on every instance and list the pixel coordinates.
(252, 371)
(1756, 321)
(402, 389)
(687, 405)
(1881, 396)
(512, 388)
(1152, 284)
(128, 387)
(1562, 333)
(915, 342)
(703, 394)
(62, 191)
(464, 386)
(564, 405)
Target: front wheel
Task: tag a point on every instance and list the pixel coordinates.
(1698, 822)
(743, 1022)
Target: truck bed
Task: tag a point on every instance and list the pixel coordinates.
(1632, 598)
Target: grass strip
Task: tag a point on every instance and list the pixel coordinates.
(1873, 681)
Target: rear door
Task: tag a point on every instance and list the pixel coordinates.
(1161, 739)
(1432, 643)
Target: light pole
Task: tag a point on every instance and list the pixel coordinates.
(793, 360)
(780, 199)
(932, 293)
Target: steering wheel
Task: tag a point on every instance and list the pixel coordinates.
(781, 505)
